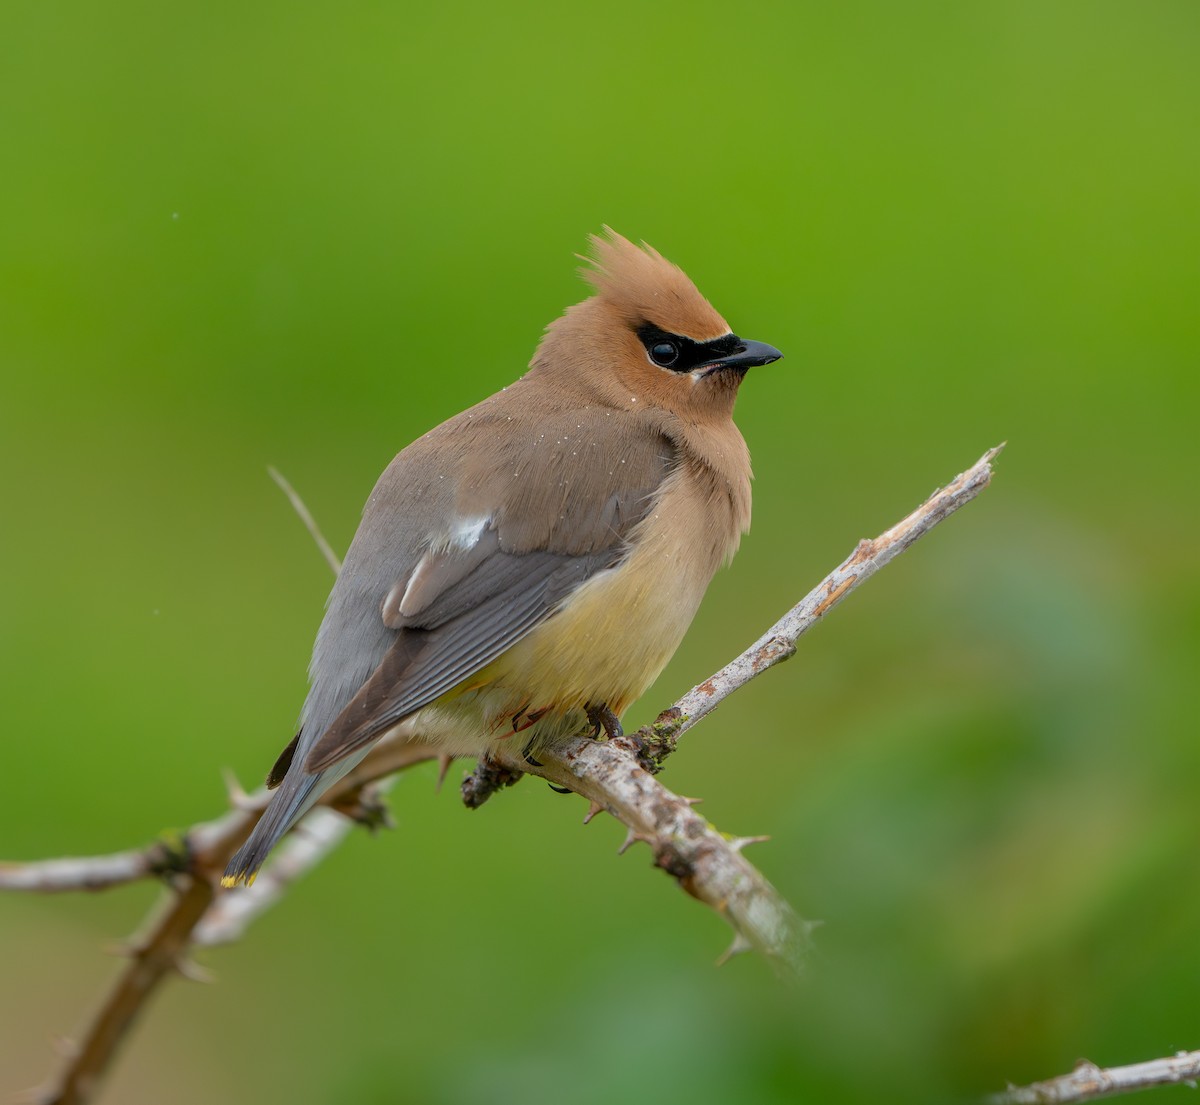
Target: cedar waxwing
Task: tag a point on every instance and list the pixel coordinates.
(524, 571)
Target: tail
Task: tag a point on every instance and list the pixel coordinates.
(297, 794)
(293, 799)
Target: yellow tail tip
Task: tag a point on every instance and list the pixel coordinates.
(242, 878)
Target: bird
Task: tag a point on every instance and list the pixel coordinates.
(526, 569)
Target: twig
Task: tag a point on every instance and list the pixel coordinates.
(192, 910)
(163, 951)
(50, 876)
(310, 523)
(1088, 1082)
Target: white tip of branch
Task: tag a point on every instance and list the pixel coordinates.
(444, 762)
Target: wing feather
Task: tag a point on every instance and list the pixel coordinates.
(431, 658)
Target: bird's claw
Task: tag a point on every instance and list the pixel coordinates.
(527, 755)
(601, 717)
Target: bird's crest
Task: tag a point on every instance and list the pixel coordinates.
(645, 287)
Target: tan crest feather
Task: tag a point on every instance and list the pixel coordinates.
(645, 287)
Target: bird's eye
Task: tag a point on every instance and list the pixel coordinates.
(664, 353)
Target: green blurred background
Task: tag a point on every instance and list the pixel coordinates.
(301, 235)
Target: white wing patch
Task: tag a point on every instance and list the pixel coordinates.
(449, 559)
(467, 532)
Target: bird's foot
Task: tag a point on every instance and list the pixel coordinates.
(601, 717)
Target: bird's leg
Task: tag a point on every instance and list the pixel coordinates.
(602, 717)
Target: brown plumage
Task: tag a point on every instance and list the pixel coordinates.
(537, 558)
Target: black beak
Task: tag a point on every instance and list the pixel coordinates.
(750, 354)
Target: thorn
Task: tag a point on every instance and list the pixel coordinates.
(631, 838)
(691, 801)
(122, 949)
(444, 762)
(191, 970)
(737, 843)
(740, 944)
(593, 809)
(238, 798)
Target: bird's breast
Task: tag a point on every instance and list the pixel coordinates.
(610, 638)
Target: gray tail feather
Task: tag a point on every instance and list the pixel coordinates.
(288, 804)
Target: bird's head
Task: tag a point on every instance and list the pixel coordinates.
(648, 337)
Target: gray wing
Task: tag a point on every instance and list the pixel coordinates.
(489, 600)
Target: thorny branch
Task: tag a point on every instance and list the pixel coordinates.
(615, 776)
(1088, 1082)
